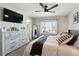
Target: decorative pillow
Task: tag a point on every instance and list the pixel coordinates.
(59, 34)
(72, 41)
(64, 38)
(76, 44)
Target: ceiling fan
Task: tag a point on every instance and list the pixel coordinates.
(46, 9)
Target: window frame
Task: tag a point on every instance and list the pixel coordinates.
(49, 21)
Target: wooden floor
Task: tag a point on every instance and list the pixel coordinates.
(17, 52)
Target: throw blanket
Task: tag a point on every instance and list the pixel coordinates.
(37, 46)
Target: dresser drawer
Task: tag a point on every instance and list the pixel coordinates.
(11, 36)
(10, 40)
(8, 50)
(10, 47)
(10, 43)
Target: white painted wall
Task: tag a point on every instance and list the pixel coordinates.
(28, 23)
(70, 18)
(63, 24)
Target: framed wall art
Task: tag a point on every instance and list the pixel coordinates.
(75, 18)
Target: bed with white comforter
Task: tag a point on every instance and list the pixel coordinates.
(51, 48)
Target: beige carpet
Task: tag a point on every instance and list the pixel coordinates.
(17, 52)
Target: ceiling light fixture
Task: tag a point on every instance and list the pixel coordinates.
(46, 12)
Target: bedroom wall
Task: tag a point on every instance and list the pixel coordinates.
(70, 18)
(62, 23)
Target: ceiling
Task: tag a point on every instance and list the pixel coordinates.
(62, 10)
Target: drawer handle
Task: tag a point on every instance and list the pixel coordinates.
(11, 39)
(12, 47)
(12, 43)
(22, 39)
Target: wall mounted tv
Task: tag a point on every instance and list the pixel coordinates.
(11, 16)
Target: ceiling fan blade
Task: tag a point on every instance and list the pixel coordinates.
(51, 11)
(37, 11)
(53, 7)
(41, 4)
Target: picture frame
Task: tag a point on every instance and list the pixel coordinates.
(76, 18)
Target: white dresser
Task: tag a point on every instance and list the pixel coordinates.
(12, 36)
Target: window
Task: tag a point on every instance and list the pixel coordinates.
(48, 26)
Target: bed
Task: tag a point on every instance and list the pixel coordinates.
(48, 46)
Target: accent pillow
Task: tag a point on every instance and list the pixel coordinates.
(59, 34)
(76, 44)
(72, 41)
(64, 38)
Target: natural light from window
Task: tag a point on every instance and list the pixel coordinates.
(48, 27)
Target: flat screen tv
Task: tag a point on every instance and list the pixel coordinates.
(11, 16)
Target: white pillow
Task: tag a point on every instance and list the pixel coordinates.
(76, 44)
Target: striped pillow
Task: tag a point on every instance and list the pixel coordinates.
(64, 38)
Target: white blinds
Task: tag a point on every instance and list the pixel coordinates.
(48, 26)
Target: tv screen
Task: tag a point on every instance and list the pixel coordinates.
(11, 16)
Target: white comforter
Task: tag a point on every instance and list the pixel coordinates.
(51, 48)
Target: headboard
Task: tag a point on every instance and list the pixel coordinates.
(74, 32)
